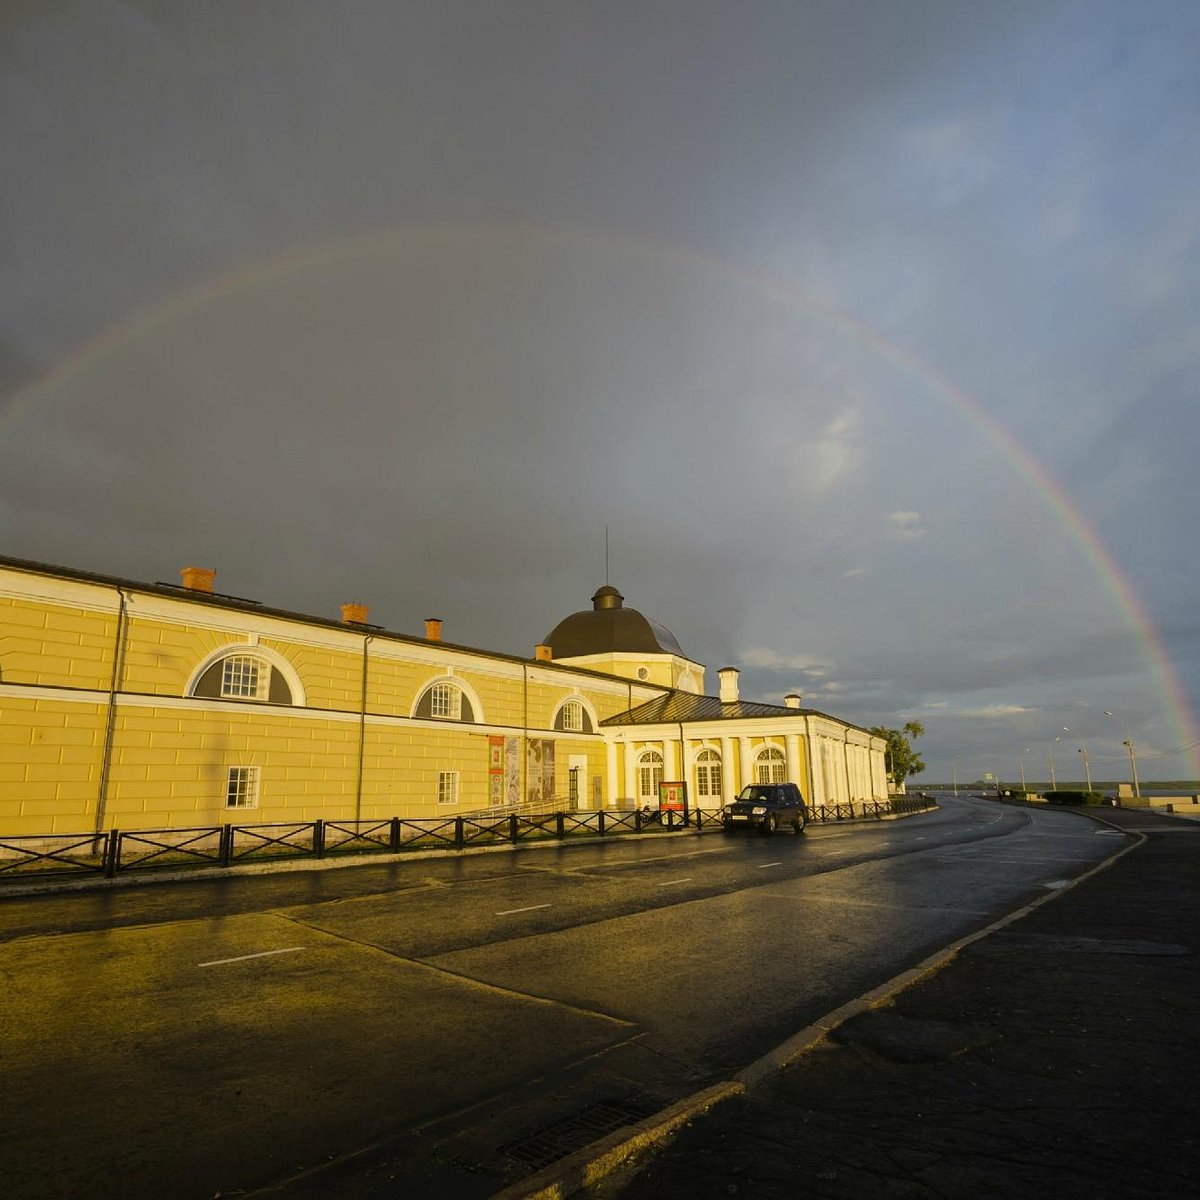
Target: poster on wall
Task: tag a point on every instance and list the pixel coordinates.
(547, 770)
(539, 771)
(512, 772)
(495, 771)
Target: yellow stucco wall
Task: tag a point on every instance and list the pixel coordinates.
(169, 754)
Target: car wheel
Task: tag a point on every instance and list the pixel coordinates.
(770, 824)
(798, 824)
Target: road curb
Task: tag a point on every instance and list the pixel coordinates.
(594, 1162)
(599, 1159)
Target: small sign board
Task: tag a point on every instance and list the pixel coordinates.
(672, 797)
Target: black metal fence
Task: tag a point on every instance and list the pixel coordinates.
(117, 851)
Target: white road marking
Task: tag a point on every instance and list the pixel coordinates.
(762, 866)
(668, 882)
(220, 962)
(1055, 884)
(509, 911)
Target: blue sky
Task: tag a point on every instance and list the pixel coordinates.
(407, 302)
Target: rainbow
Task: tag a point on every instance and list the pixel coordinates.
(1122, 592)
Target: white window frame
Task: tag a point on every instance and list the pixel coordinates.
(650, 774)
(242, 787)
(448, 787)
(572, 716)
(445, 701)
(770, 765)
(708, 773)
(244, 677)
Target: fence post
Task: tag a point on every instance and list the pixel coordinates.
(394, 836)
(560, 826)
(319, 838)
(600, 822)
(459, 836)
(637, 820)
(226, 851)
(513, 828)
(112, 853)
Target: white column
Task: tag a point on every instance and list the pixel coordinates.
(747, 763)
(610, 767)
(672, 767)
(729, 780)
(630, 774)
(791, 744)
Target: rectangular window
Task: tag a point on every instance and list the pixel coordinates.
(651, 777)
(243, 677)
(573, 787)
(446, 701)
(241, 787)
(447, 787)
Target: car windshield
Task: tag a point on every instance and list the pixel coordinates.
(757, 793)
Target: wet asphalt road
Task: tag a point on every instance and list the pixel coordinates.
(318, 1032)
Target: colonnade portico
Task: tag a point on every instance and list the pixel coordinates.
(741, 757)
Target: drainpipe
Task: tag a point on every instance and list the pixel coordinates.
(523, 765)
(111, 719)
(362, 735)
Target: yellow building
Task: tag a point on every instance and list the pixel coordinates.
(148, 706)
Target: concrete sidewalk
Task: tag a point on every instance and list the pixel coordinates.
(1056, 1056)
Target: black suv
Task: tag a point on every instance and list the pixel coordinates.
(766, 806)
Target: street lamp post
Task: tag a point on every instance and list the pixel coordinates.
(1023, 753)
(1128, 744)
(1087, 770)
(1053, 781)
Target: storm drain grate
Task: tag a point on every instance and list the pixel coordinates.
(561, 1137)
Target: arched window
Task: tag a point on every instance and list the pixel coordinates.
(708, 774)
(650, 773)
(242, 674)
(445, 701)
(572, 717)
(770, 766)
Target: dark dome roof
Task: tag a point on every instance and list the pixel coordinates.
(608, 627)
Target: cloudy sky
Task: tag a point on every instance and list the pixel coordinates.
(870, 330)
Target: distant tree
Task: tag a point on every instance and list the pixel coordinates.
(901, 759)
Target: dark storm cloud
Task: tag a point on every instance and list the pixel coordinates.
(572, 327)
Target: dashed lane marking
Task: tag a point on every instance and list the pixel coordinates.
(508, 912)
(668, 882)
(763, 866)
(220, 962)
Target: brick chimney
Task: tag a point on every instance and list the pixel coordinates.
(729, 684)
(792, 699)
(198, 579)
(542, 652)
(433, 629)
(355, 613)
